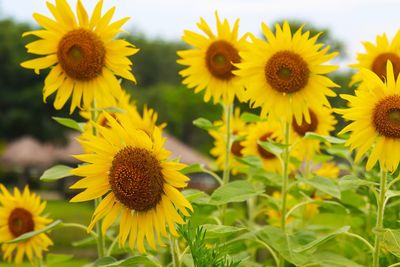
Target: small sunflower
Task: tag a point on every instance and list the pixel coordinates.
(376, 57)
(274, 214)
(130, 170)
(285, 74)
(321, 122)
(262, 131)
(21, 213)
(239, 130)
(374, 116)
(82, 54)
(327, 169)
(211, 62)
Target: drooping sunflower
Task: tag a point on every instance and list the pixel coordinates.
(21, 213)
(374, 116)
(376, 57)
(211, 61)
(239, 130)
(130, 170)
(321, 122)
(284, 75)
(262, 131)
(82, 54)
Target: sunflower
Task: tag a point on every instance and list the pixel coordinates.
(239, 130)
(285, 74)
(82, 54)
(327, 169)
(263, 131)
(274, 214)
(376, 57)
(130, 170)
(375, 119)
(210, 62)
(321, 122)
(19, 214)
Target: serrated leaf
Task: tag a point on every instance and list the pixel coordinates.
(250, 117)
(105, 261)
(205, 124)
(193, 168)
(55, 173)
(70, 123)
(134, 261)
(220, 231)
(324, 138)
(57, 258)
(322, 239)
(390, 240)
(28, 235)
(348, 182)
(323, 184)
(236, 191)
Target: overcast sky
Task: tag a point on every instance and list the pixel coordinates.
(350, 21)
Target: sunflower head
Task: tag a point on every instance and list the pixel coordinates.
(285, 74)
(376, 57)
(130, 169)
(20, 213)
(211, 61)
(374, 116)
(82, 54)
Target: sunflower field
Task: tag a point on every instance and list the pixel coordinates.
(290, 187)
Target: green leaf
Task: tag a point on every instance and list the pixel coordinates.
(283, 243)
(323, 184)
(111, 110)
(322, 239)
(329, 259)
(205, 124)
(28, 235)
(55, 173)
(390, 240)
(57, 258)
(196, 196)
(392, 193)
(193, 168)
(105, 261)
(273, 147)
(351, 182)
(220, 231)
(323, 138)
(236, 191)
(134, 261)
(84, 242)
(250, 117)
(70, 123)
(253, 161)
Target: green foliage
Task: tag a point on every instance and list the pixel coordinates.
(55, 173)
(202, 255)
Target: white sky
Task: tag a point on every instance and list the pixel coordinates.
(351, 21)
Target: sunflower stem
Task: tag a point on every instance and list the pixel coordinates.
(174, 251)
(379, 218)
(100, 238)
(285, 181)
(228, 109)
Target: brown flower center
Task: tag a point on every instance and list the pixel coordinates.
(136, 179)
(81, 54)
(287, 72)
(305, 126)
(20, 222)
(236, 148)
(265, 153)
(386, 117)
(379, 64)
(103, 121)
(219, 58)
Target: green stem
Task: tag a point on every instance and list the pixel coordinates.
(111, 247)
(174, 252)
(100, 238)
(361, 239)
(79, 226)
(285, 182)
(379, 219)
(228, 113)
(270, 250)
